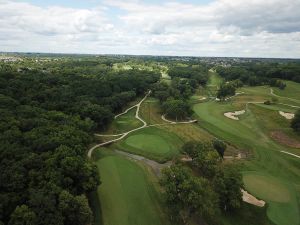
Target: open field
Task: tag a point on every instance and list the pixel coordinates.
(151, 142)
(128, 192)
(251, 132)
(150, 111)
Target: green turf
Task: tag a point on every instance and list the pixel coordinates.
(149, 143)
(213, 83)
(153, 143)
(247, 133)
(266, 187)
(127, 194)
(292, 90)
(125, 123)
(246, 215)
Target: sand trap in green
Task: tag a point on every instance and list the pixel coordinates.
(148, 143)
(266, 188)
(127, 197)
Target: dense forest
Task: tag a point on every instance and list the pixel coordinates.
(262, 73)
(47, 119)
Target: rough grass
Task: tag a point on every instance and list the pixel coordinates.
(188, 132)
(128, 193)
(151, 112)
(270, 121)
(292, 90)
(153, 143)
(124, 123)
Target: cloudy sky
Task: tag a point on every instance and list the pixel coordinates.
(249, 28)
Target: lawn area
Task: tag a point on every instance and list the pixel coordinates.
(151, 142)
(274, 123)
(248, 133)
(282, 199)
(128, 193)
(292, 90)
(150, 111)
(124, 123)
(247, 215)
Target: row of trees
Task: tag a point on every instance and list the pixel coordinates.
(217, 189)
(46, 125)
(260, 73)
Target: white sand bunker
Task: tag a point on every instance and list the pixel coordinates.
(251, 199)
(288, 116)
(233, 115)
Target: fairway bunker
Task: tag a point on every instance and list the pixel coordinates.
(233, 115)
(288, 116)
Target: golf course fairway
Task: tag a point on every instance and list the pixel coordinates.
(270, 174)
(127, 193)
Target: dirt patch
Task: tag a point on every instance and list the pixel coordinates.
(251, 199)
(282, 138)
(233, 115)
(288, 116)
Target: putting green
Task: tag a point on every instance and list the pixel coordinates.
(266, 187)
(127, 195)
(149, 143)
(153, 143)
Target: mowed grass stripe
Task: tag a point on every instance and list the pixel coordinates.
(127, 197)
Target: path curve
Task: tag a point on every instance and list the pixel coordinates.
(122, 135)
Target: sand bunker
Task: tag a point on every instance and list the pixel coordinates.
(288, 116)
(233, 115)
(251, 199)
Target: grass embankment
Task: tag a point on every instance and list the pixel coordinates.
(250, 133)
(129, 193)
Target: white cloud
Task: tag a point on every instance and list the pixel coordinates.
(269, 28)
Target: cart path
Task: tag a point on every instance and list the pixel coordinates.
(122, 135)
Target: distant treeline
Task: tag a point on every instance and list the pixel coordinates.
(46, 124)
(262, 73)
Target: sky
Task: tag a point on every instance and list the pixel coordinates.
(230, 28)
